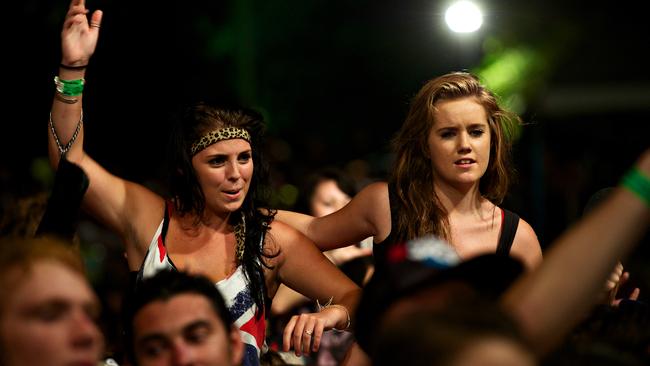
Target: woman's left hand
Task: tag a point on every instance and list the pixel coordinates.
(304, 331)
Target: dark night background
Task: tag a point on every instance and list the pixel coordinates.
(333, 79)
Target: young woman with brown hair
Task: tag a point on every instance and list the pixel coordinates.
(451, 172)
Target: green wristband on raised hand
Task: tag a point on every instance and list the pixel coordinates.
(69, 88)
(638, 183)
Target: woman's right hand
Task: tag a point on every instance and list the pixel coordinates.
(79, 36)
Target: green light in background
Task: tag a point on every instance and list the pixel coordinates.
(42, 172)
(514, 74)
(288, 194)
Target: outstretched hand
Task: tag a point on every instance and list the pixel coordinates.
(79, 35)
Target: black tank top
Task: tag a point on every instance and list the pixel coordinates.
(509, 224)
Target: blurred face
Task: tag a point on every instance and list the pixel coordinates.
(494, 351)
(184, 330)
(50, 319)
(224, 171)
(327, 198)
(459, 143)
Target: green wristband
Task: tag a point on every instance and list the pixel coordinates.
(638, 183)
(69, 88)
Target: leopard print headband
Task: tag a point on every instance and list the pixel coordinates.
(226, 133)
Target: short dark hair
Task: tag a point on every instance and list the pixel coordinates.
(163, 286)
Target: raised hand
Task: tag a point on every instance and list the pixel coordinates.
(79, 36)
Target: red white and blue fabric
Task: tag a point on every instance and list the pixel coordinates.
(235, 291)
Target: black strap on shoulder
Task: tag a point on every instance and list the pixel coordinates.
(508, 231)
(380, 250)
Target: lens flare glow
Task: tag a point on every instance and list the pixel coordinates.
(464, 17)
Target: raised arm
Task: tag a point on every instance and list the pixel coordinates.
(302, 267)
(111, 200)
(548, 302)
(78, 42)
(367, 214)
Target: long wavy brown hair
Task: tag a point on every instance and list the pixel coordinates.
(419, 210)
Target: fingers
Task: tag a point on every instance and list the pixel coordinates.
(74, 16)
(610, 285)
(624, 277)
(96, 19)
(634, 296)
(619, 269)
(77, 15)
(296, 337)
(78, 3)
(318, 335)
(76, 10)
(288, 332)
(304, 333)
(307, 335)
(615, 278)
(294, 333)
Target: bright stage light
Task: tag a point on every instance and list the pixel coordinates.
(464, 17)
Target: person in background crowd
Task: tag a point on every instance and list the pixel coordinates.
(179, 319)
(323, 192)
(48, 310)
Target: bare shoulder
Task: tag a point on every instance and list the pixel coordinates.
(373, 205)
(526, 245)
(373, 197)
(376, 190)
(279, 229)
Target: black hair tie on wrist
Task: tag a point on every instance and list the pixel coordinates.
(67, 67)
